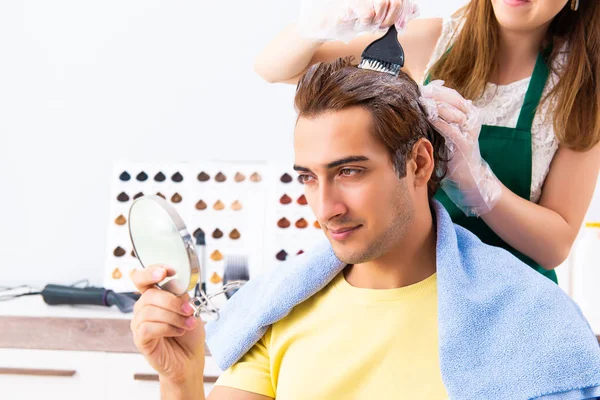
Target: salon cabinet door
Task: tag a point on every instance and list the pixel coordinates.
(129, 376)
(49, 374)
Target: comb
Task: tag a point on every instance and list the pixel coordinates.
(236, 270)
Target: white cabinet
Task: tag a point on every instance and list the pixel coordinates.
(130, 376)
(65, 375)
(48, 374)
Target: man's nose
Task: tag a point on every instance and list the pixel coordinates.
(330, 202)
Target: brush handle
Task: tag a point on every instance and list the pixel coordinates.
(57, 294)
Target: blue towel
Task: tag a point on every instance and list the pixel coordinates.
(505, 331)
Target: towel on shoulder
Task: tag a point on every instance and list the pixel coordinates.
(505, 331)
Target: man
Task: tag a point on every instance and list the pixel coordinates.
(370, 162)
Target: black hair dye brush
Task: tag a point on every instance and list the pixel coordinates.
(385, 54)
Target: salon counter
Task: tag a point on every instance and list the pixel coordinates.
(29, 323)
(63, 352)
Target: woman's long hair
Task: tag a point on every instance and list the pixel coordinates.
(473, 61)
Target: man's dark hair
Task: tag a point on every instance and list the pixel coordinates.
(399, 120)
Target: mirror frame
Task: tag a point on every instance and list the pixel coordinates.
(186, 238)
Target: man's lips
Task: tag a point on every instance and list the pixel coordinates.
(343, 233)
(342, 230)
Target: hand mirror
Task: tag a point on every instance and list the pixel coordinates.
(159, 236)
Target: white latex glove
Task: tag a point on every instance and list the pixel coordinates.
(345, 19)
(470, 182)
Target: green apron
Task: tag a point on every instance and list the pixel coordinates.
(508, 153)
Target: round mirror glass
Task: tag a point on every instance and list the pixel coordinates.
(159, 236)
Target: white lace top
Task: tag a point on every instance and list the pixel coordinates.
(502, 104)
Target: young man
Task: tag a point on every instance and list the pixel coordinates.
(364, 151)
(370, 162)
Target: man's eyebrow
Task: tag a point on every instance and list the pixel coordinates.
(335, 163)
(345, 160)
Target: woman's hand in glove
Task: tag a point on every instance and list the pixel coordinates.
(470, 183)
(345, 19)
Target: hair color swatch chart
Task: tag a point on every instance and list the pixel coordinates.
(254, 210)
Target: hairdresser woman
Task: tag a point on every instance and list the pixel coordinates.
(524, 131)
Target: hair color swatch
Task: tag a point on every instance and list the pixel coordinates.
(197, 232)
(124, 176)
(201, 205)
(282, 255)
(220, 177)
(285, 199)
(119, 251)
(216, 255)
(142, 176)
(215, 278)
(283, 223)
(176, 198)
(160, 177)
(239, 177)
(302, 200)
(177, 177)
(301, 223)
(255, 177)
(217, 234)
(236, 205)
(286, 178)
(203, 177)
(116, 274)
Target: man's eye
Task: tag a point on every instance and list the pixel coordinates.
(350, 172)
(304, 178)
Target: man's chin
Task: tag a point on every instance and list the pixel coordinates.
(347, 255)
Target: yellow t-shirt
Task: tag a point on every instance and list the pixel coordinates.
(349, 343)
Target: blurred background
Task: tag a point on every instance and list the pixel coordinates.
(86, 84)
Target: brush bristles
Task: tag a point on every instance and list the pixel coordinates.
(379, 66)
(236, 269)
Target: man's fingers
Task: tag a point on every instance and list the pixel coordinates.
(165, 300)
(150, 313)
(149, 330)
(147, 278)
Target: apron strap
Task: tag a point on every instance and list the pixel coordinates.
(534, 91)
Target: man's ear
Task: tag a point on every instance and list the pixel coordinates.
(422, 162)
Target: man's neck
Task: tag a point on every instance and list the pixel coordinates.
(412, 260)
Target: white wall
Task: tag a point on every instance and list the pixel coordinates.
(86, 83)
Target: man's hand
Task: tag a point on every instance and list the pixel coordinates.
(168, 335)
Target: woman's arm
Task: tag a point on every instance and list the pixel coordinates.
(288, 56)
(546, 232)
